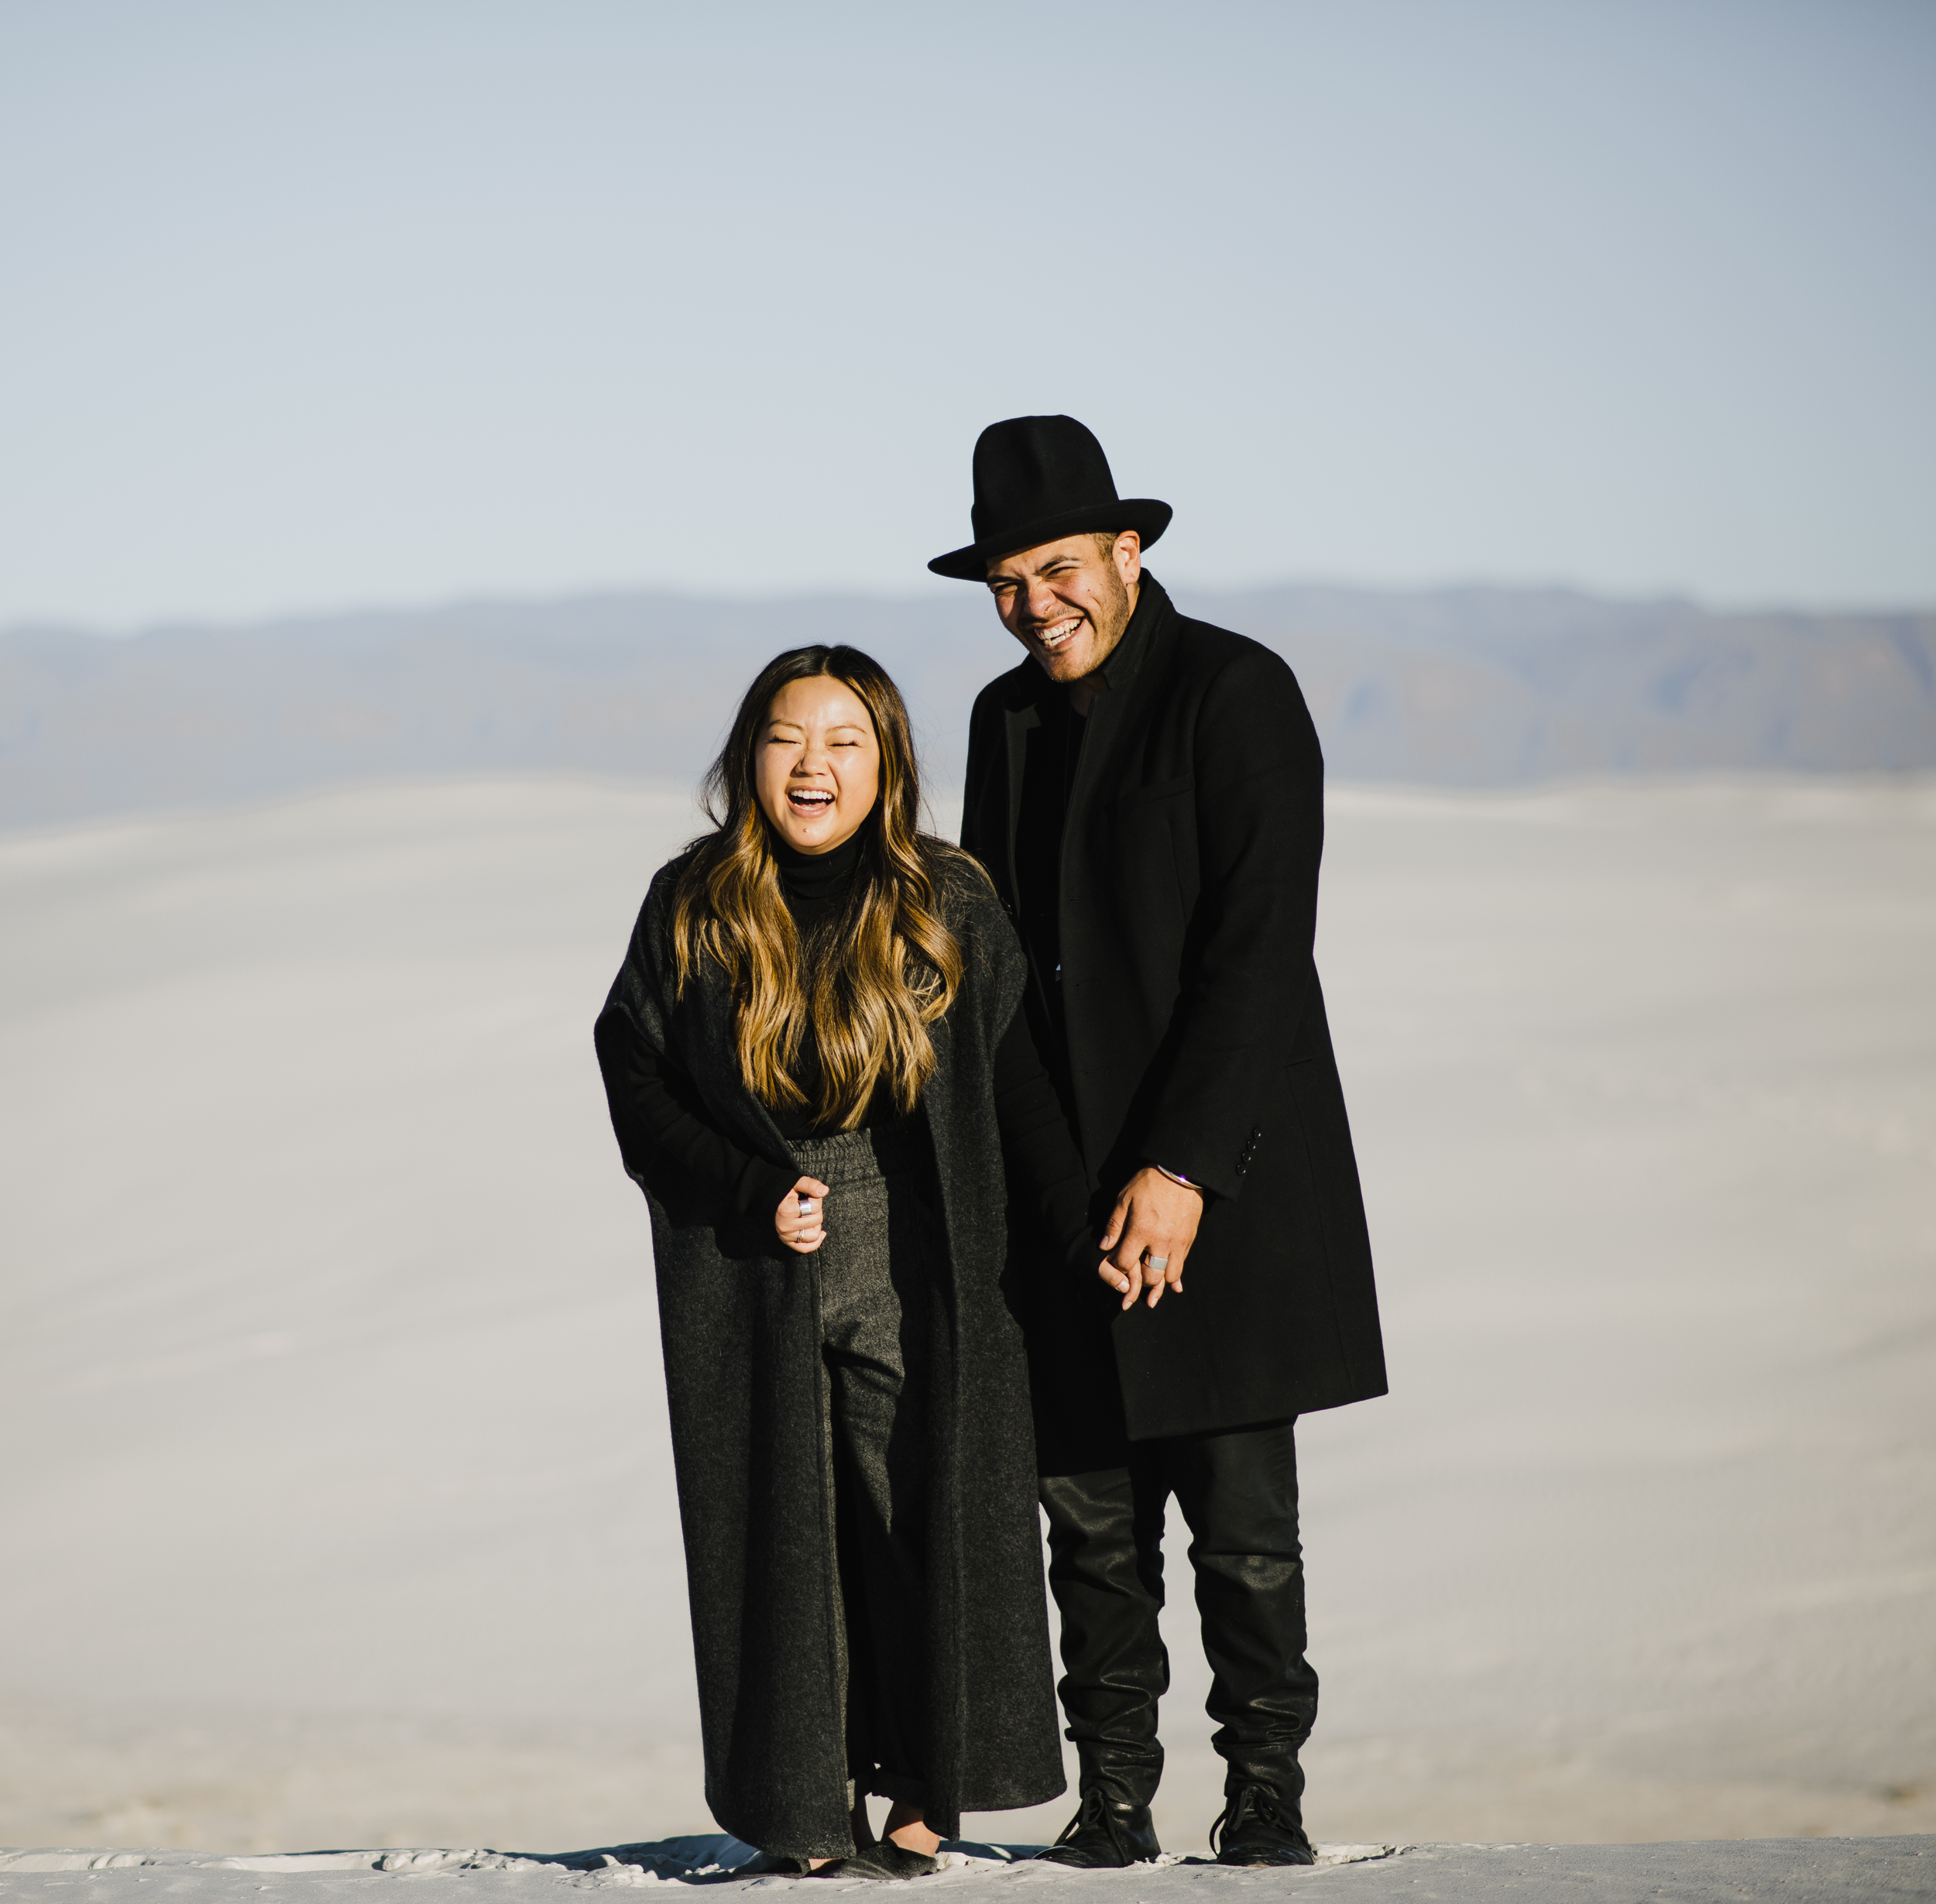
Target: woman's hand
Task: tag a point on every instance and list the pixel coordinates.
(801, 1221)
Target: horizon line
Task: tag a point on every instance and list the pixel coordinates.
(38, 622)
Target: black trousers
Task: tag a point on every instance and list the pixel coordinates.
(1238, 1490)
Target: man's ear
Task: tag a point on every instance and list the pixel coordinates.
(1129, 557)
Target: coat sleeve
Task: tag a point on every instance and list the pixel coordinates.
(659, 1116)
(654, 1107)
(633, 1022)
(1047, 1182)
(1260, 827)
(1045, 1169)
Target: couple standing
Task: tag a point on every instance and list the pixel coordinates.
(929, 1137)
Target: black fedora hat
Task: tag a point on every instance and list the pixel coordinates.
(1038, 479)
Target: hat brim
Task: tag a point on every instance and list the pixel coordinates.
(1148, 518)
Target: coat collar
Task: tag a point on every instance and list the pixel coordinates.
(1029, 689)
(1132, 676)
(1152, 607)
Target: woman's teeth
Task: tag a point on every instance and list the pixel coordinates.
(811, 802)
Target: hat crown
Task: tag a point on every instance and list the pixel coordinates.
(1029, 469)
(1039, 480)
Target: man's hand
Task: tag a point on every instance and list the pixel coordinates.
(800, 1222)
(1150, 1232)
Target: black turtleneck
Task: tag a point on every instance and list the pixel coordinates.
(816, 881)
(1044, 1168)
(816, 885)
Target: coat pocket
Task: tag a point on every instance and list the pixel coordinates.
(1158, 790)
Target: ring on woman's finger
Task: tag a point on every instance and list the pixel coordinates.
(1159, 1263)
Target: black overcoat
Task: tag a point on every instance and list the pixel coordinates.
(739, 1318)
(1195, 1032)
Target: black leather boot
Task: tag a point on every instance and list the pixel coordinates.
(1108, 1834)
(1261, 1824)
(1106, 1570)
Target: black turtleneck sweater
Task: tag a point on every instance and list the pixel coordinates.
(1045, 1169)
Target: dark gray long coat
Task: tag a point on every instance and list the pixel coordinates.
(738, 1315)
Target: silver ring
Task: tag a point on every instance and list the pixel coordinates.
(805, 1203)
(1159, 1263)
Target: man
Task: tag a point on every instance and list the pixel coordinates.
(1147, 793)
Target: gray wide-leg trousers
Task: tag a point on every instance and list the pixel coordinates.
(875, 1271)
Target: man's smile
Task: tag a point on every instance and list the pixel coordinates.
(1054, 635)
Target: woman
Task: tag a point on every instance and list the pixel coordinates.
(817, 1065)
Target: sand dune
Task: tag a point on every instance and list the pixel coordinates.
(334, 1480)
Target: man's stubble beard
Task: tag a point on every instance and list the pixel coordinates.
(1109, 635)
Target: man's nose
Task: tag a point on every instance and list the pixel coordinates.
(1041, 601)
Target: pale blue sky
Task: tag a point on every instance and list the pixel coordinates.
(347, 301)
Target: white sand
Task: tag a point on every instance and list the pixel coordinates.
(1796, 1870)
(333, 1471)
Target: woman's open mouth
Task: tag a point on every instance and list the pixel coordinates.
(809, 800)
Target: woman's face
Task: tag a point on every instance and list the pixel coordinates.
(816, 766)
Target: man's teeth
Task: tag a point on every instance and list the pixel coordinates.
(1055, 637)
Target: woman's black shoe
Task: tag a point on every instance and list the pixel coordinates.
(773, 1864)
(1105, 1835)
(1257, 1827)
(885, 1860)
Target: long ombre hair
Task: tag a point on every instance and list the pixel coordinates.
(870, 978)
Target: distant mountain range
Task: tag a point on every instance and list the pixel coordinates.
(1461, 687)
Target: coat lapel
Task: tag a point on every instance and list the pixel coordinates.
(1019, 719)
(1115, 716)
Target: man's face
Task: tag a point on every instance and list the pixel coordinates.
(1068, 602)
